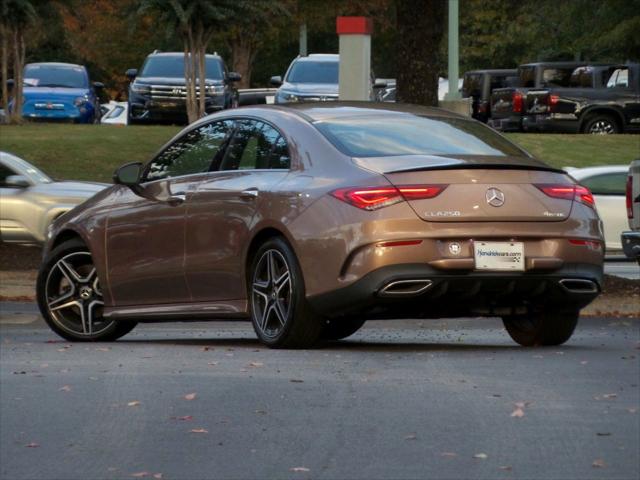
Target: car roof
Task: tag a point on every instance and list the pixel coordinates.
(319, 111)
(179, 54)
(55, 64)
(565, 64)
(320, 57)
(496, 71)
(582, 173)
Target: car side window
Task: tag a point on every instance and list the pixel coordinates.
(606, 184)
(4, 173)
(619, 78)
(255, 145)
(194, 152)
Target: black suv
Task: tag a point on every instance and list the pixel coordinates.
(158, 92)
(479, 84)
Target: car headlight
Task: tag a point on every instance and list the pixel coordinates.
(215, 89)
(78, 101)
(140, 88)
(286, 97)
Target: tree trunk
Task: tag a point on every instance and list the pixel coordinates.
(202, 75)
(420, 28)
(4, 68)
(189, 77)
(242, 53)
(19, 52)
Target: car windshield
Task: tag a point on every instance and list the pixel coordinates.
(173, 66)
(392, 135)
(313, 72)
(55, 76)
(18, 166)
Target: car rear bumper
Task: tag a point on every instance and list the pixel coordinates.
(421, 291)
(550, 123)
(631, 244)
(509, 124)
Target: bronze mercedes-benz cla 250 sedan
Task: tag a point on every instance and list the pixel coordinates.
(310, 219)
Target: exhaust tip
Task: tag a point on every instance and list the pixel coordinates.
(579, 285)
(405, 288)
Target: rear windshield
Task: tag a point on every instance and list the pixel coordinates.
(313, 72)
(392, 135)
(173, 67)
(56, 76)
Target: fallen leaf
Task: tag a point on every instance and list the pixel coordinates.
(135, 403)
(66, 388)
(186, 418)
(603, 434)
(610, 395)
(411, 436)
(584, 362)
(481, 456)
(32, 445)
(448, 454)
(190, 396)
(295, 380)
(599, 463)
(518, 413)
(157, 475)
(299, 469)
(141, 474)
(199, 430)
(632, 410)
(212, 363)
(256, 364)
(103, 349)
(261, 412)
(506, 467)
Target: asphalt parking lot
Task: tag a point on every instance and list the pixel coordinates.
(404, 399)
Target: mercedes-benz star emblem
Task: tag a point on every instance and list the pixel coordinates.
(495, 197)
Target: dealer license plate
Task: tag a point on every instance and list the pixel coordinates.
(499, 256)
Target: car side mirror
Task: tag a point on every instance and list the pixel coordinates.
(131, 73)
(128, 174)
(16, 181)
(98, 85)
(380, 83)
(276, 81)
(233, 77)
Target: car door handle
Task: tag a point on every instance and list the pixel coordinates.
(177, 199)
(250, 193)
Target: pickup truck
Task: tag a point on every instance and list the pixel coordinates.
(479, 84)
(607, 101)
(508, 105)
(631, 239)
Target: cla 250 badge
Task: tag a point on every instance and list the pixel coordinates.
(443, 213)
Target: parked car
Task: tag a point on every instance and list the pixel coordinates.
(607, 184)
(311, 218)
(479, 84)
(59, 92)
(30, 200)
(158, 92)
(114, 113)
(388, 93)
(314, 78)
(600, 100)
(631, 239)
(508, 105)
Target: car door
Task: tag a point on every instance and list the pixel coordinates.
(609, 194)
(146, 229)
(221, 215)
(14, 209)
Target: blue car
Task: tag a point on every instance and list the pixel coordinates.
(60, 92)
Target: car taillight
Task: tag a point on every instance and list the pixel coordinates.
(517, 101)
(553, 101)
(568, 192)
(629, 201)
(373, 198)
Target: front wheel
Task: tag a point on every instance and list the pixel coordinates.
(601, 124)
(70, 296)
(280, 313)
(542, 328)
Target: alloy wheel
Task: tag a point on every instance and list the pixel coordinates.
(271, 293)
(602, 127)
(73, 295)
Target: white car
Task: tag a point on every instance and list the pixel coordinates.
(114, 113)
(608, 186)
(631, 238)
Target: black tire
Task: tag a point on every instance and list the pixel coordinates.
(85, 295)
(280, 313)
(601, 123)
(343, 327)
(542, 328)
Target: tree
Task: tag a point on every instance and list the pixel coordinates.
(195, 21)
(15, 17)
(420, 28)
